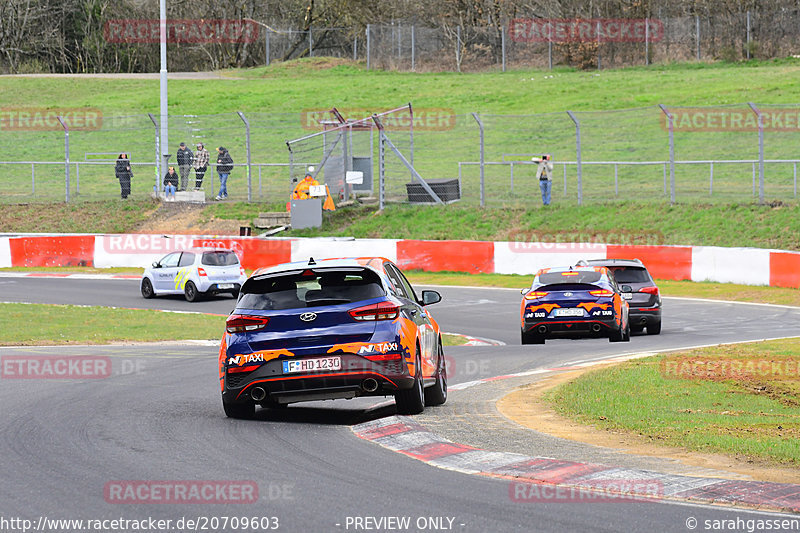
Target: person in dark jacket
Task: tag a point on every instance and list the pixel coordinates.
(185, 157)
(124, 175)
(224, 167)
(170, 184)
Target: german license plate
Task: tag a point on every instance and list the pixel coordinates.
(225, 285)
(312, 365)
(574, 311)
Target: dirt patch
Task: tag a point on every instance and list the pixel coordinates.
(188, 219)
(526, 407)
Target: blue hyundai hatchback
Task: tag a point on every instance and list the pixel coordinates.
(332, 329)
(574, 302)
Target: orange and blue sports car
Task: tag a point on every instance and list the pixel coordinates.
(336, 328)
(574, 302)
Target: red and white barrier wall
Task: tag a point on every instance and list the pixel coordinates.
(749, 266)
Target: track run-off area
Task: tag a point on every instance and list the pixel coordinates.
(153, 427)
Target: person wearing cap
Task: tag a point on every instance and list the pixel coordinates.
(200, 165)
(544, 173)
(185, 157)
(224, 167)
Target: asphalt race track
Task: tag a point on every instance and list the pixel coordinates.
(158, 418)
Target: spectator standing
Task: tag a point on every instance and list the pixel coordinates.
(124, 175)
(170, 184)
(185, 157)
(201, 158)
(224, 167)
(545, 176)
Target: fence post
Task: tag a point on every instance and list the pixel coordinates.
(503, 45)
(291, 161)
(795, 179)
(411, 132)
(697, 34)
(355, 48)
(747, 45)
(671, 154)
(33, 180)
(458, 48)
(399, 42)
(310, 43)
(368, 50)
(578, 151)
(550, 52)
(77, 179)
(66, 154)
(266, 47)
(760, 150)
(381, 172)
(158, 150)
(413, 46)
(598, 45)
(483, 163)
(711, 180)
(647, 41)
(249, 164)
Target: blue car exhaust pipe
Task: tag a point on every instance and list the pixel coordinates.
(258, 394)
(369, 385)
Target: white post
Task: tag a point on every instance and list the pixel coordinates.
(163, 84)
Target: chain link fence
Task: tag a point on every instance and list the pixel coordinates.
(538, 42)
(653, 154)
(545, 43)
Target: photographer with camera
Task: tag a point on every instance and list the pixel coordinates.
(544, 174)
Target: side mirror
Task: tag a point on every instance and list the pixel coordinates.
(626, 288)
(525, 291)
(156, 264)
(430, 297)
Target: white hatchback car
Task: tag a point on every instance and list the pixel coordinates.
(194, 273)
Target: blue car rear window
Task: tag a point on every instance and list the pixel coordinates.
(310, 288)
(577, 276)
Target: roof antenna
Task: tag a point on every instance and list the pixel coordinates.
(311, 261)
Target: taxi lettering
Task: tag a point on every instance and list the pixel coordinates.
(382, 347)
(240, 360)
